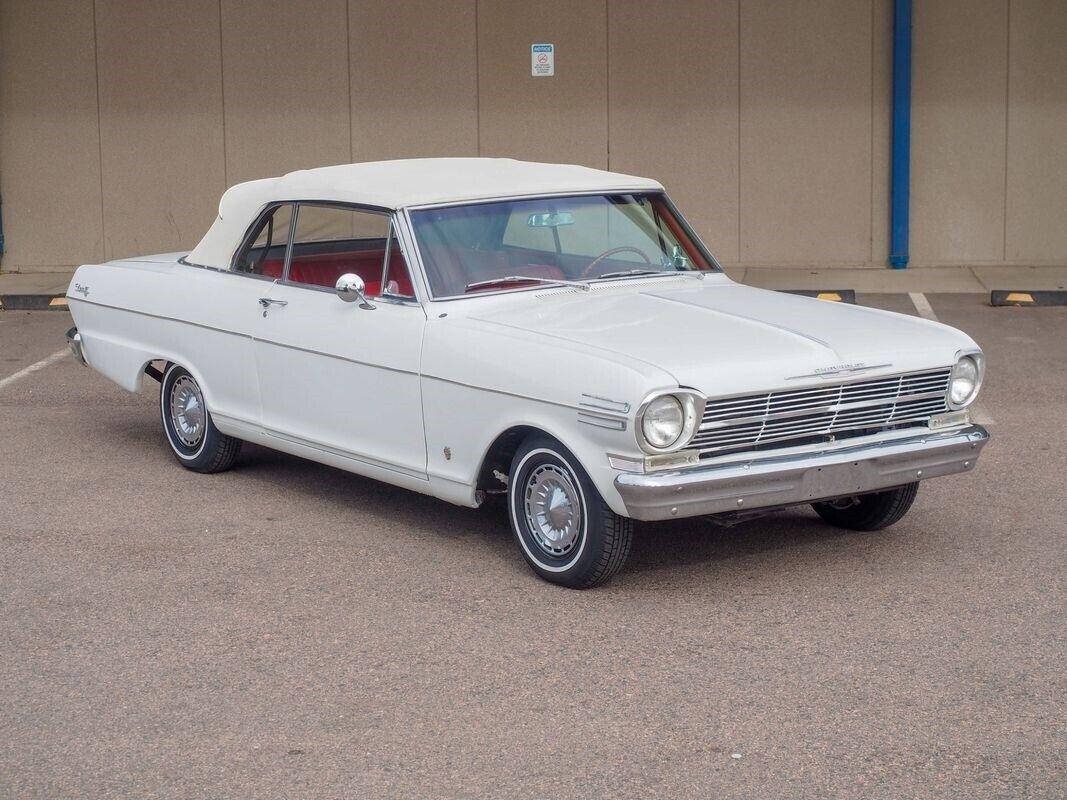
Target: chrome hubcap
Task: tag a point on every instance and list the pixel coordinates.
(553, 513)
(187, 411)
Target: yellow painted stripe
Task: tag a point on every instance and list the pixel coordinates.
(833, 297)
(58, 301)
(1019, 297)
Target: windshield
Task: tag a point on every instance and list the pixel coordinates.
(492, 246)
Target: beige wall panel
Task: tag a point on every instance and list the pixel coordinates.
(674, 117)
(285, 81)
(805, 132)
(881, 127)
(414, 79)
(562, 118)
(49, 145)
(160, 123)
(959, 80)
(1037, 133)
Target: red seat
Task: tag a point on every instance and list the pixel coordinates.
(324, 270)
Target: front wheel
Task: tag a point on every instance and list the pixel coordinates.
(868, 512)
(566, 532)
(195, 441)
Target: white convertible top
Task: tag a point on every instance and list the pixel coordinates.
(399, 184)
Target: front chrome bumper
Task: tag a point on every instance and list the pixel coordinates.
(74, 342)
(796, 479)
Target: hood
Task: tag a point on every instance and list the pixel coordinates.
(720, 337)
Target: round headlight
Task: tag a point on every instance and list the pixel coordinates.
(663, 421)
(963, 385)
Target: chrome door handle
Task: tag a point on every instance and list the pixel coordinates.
(267, 302)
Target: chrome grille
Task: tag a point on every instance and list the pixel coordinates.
(734, 422)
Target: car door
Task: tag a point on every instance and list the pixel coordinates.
(224, 317)
(344, 376)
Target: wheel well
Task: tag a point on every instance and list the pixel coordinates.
(156, 369)
(498, 458)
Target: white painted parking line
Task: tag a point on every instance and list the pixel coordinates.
(926, 311)
(922, 305)
(32, 368)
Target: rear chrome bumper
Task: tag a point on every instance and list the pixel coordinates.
(74, 342)
(797, 479)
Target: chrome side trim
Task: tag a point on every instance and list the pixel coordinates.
(531, 398)
(336, 357)
(335, 451)
(165, 318)
(604, 403)
(602, 420)
(793, 480)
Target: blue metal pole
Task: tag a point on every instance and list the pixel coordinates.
(898, 226)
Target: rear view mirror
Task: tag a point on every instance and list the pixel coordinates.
(550, 219)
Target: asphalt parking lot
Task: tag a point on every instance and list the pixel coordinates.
(289, 630)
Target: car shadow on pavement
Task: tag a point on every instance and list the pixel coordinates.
(698, 541)
(656, 546)
(347, 491)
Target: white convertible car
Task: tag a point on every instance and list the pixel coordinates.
(555, 334)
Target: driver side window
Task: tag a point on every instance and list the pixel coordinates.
(330, 241)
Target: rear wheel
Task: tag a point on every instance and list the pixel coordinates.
(565, 531)
(868, 512)
(195, 441)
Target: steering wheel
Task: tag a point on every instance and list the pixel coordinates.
(613, 251)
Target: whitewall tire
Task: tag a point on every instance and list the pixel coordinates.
(195, 441)
(565, 531)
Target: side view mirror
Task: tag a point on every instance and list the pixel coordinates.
(350, 288)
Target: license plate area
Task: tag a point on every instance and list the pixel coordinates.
(836, 480)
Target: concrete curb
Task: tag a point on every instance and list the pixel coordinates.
(832, 295)
(33, 302)
(1019, 297)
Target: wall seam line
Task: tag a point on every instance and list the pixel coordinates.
(348, 55)
(99, 134)
(870, 155)
(222, 99)
(740, 257)
(1007, 125)
(607, 83)
(477, 84)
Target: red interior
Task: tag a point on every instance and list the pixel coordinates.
(324, 269)
(456, 267)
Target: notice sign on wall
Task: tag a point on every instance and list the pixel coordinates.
(542, 60)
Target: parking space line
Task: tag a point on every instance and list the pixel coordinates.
(926, 311)
(922, 305)
(32, 368)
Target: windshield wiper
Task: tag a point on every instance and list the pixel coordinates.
(628, 273)
(525, 279)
